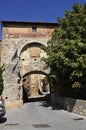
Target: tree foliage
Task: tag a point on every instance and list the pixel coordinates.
(67, 48)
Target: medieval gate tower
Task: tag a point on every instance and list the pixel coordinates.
(21, 53)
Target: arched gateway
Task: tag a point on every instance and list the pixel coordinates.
(33, 77)
(21, 53)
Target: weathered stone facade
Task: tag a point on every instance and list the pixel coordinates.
(21, 53)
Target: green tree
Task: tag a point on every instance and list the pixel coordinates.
(66, 50)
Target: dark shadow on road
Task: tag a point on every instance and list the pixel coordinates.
(39, 98)
(45, 101)
(3, 120)
(49, 104)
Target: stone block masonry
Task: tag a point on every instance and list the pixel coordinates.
(72, 105)
(21, 53)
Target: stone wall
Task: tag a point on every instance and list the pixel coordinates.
(71, 105)
(18, 38)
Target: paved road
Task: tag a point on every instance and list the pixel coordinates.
(39, 115)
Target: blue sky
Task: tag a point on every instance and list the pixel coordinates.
(34, 10)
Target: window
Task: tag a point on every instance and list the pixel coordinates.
(34, 29)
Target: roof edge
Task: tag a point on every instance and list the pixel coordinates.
(29, 23)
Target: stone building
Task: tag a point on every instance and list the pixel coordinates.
(21, 53)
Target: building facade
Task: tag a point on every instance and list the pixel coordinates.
(21, 53)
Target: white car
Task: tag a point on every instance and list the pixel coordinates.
(2, 107)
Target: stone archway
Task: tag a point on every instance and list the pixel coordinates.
(30, 63)
(35, 84)
(30, 42)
